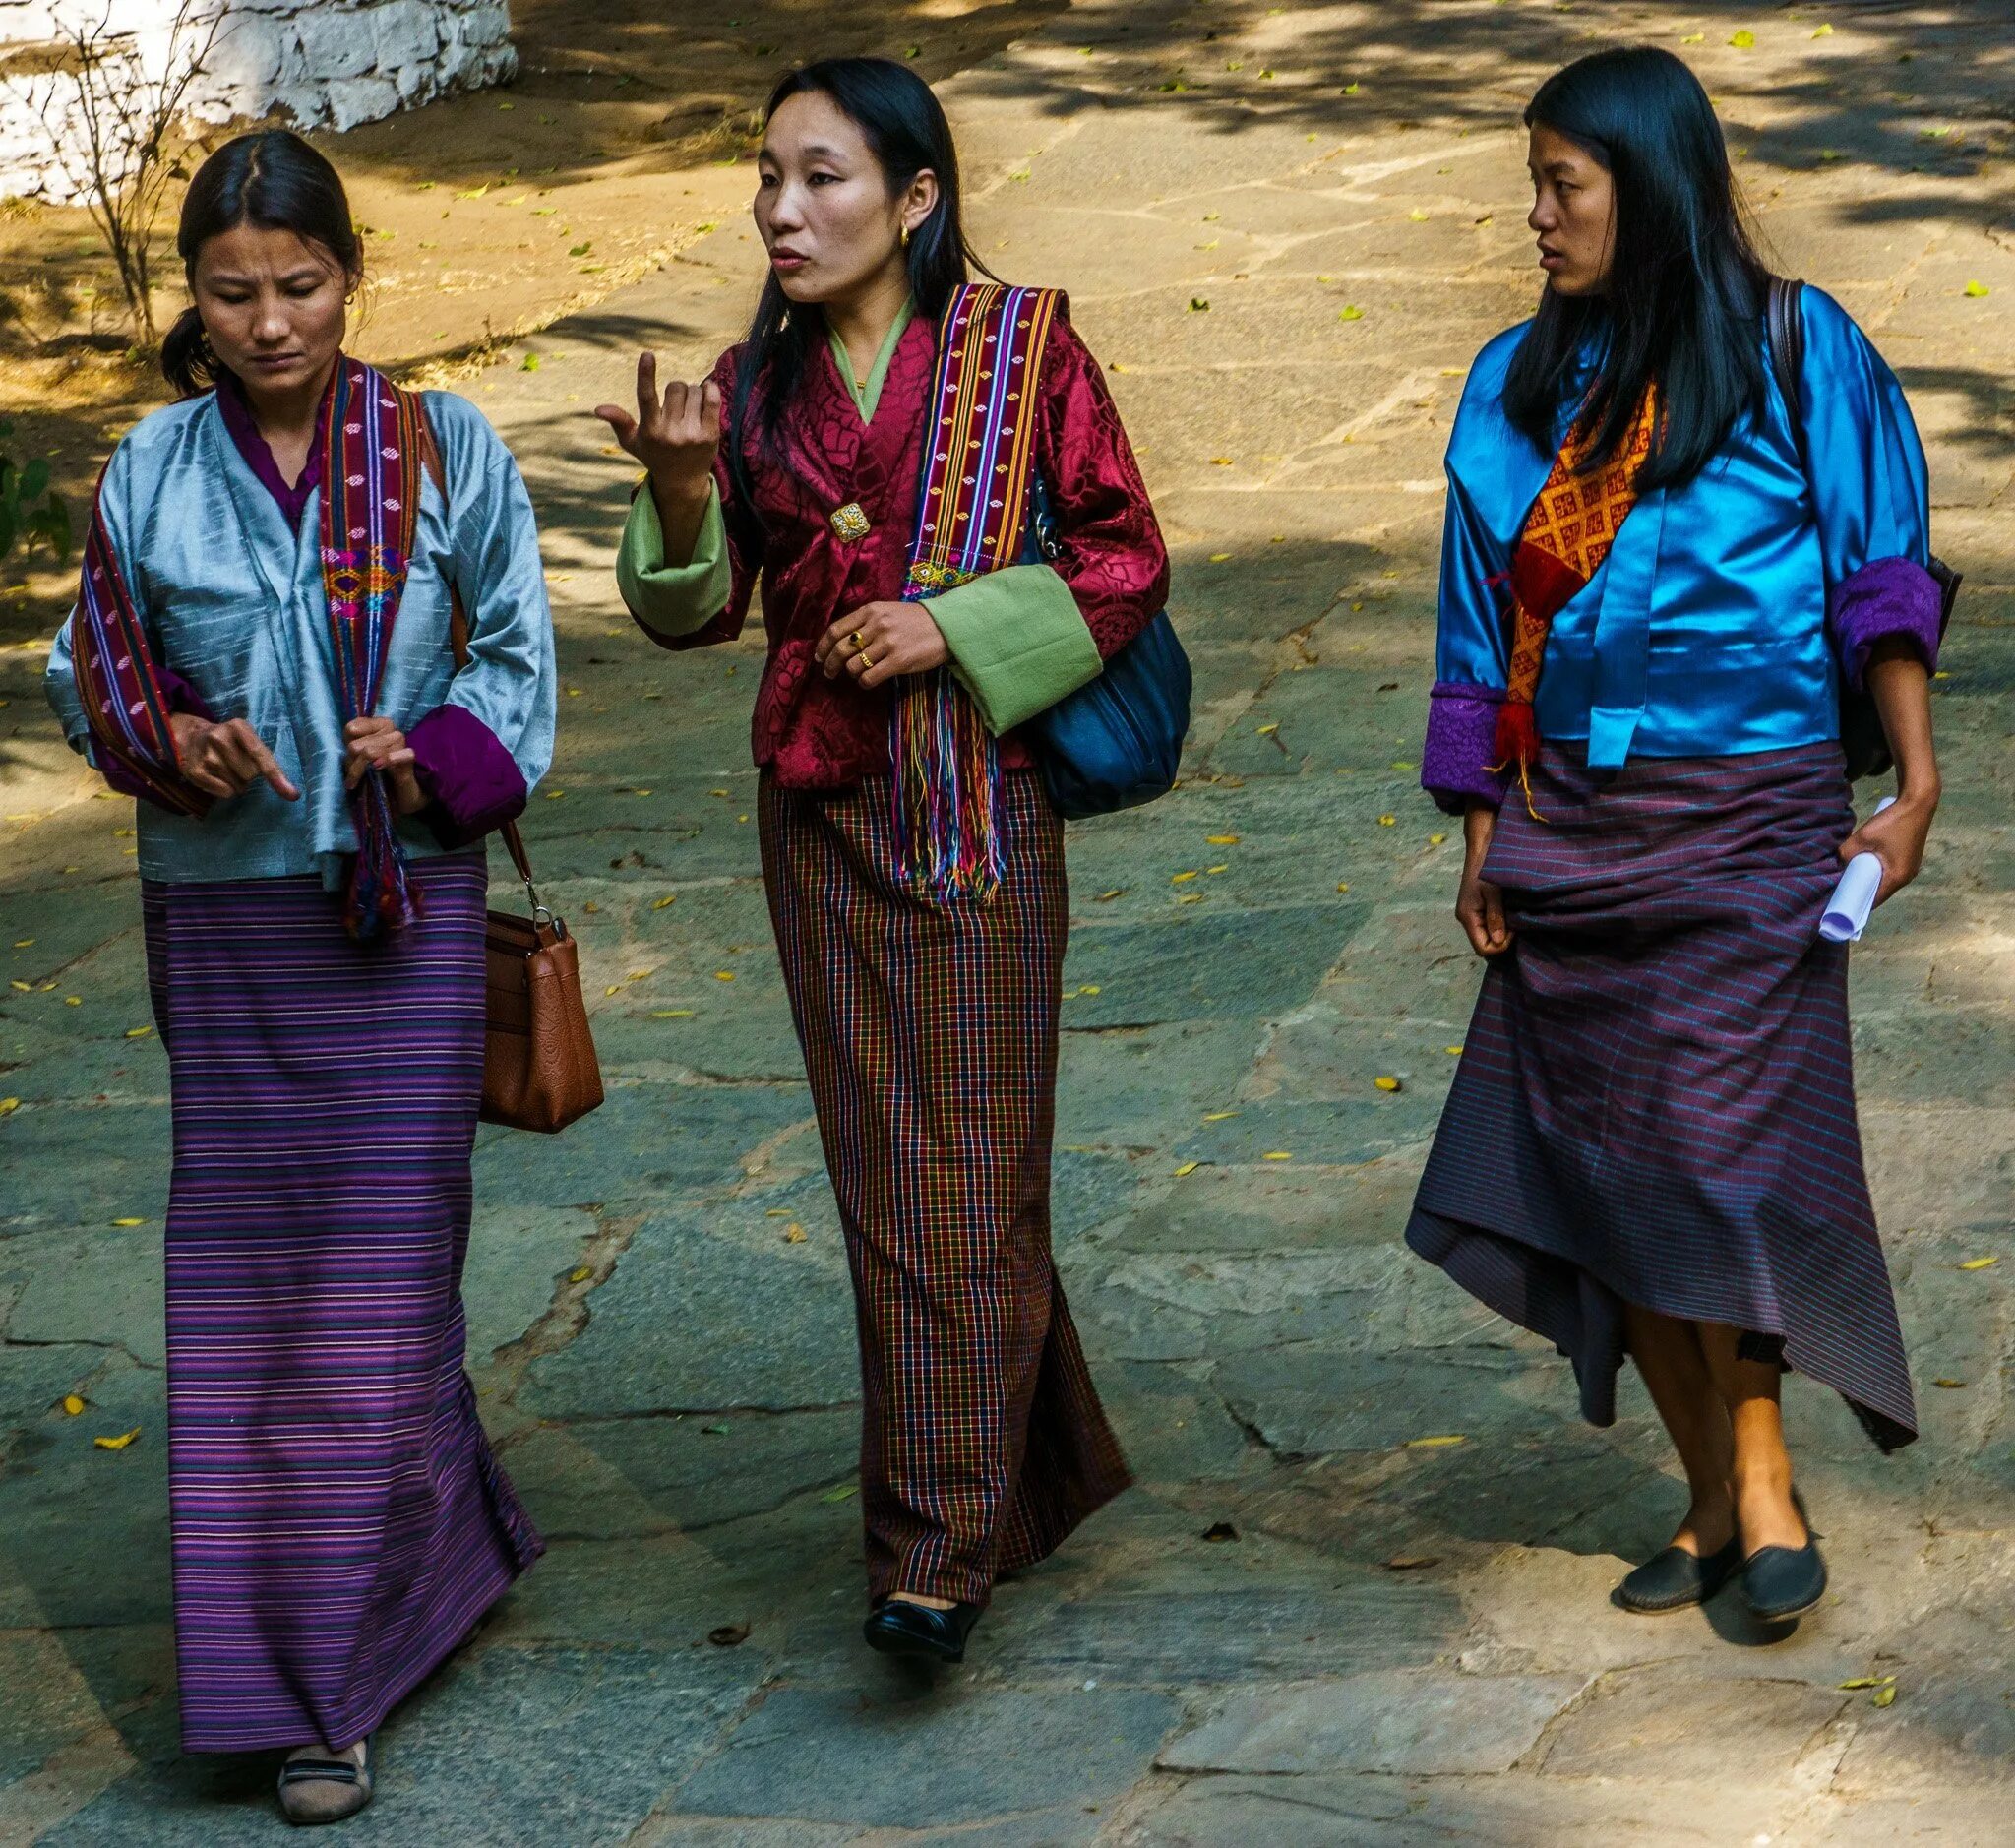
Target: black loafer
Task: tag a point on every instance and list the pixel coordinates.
(1783, 1582)
(1676, 1581)
(901, 1628)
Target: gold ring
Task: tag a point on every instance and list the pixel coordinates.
(859, 640)
(867, 660)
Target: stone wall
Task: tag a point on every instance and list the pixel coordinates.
(322, 63)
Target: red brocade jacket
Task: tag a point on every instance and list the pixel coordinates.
(816, 733)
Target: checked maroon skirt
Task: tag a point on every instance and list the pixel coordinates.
(338, 1521)
(930, 1039)
(1655, 1103)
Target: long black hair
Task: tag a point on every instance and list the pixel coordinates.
(272, 179)
(1685, 285)
(904, 127)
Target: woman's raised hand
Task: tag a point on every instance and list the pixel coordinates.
(227, 759)
(674, 435)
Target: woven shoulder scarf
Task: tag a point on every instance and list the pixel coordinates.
(1566, 535)
(370, 507)
(972, 515)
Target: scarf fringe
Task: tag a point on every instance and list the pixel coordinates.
(948, 820)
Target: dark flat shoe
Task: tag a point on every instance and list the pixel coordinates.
(1676, 1581)
(324, 1790)
(897, 1626)
(1783, 1582)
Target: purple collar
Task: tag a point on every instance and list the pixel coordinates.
(258, 453)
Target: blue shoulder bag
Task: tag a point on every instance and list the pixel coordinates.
(1117, 742)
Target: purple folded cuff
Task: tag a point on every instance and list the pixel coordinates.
(1890, 597)
(1462, 735)
(472, 783)
(182, 697)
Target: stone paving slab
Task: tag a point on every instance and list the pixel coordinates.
(682, 1418)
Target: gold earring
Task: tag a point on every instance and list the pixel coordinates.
(905, 237)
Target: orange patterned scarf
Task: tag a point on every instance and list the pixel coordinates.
(1565, 537)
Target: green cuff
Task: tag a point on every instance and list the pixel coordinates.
(1018, 643)
(674, 599)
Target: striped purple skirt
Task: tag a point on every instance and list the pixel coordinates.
(339, 1523)
(1655, 1103)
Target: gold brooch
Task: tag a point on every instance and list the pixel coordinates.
(849, 521)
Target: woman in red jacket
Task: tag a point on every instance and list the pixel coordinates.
(914, 865)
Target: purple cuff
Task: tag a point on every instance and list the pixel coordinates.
(1462, 745)
(1889, 596)
(472, 783)
(182, 697)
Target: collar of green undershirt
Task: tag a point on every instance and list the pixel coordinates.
(867, 395)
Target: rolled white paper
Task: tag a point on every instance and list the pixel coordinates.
(1853, 899)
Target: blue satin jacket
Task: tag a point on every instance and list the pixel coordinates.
(1728, 610)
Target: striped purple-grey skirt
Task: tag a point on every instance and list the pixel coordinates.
(1655, 1102)
(339, 1523)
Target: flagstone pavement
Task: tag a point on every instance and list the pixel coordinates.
(1286, 229)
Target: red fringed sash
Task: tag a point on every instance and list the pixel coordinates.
(117, 680)
(1566, 535)
(370, 508)
(972, 515)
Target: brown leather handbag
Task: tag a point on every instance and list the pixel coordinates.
(539, 1066)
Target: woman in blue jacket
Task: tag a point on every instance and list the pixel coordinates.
(1661, 583)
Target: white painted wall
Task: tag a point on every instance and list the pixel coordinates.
(323, 63)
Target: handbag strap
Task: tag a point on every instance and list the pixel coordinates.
(457, 642)
(1787, 329)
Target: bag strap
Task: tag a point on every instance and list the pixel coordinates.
(1785, 323)
(457, 642)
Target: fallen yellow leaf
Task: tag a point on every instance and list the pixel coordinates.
(1388, 821)
(119, 1442)
(26, 988)
(1091, 988)
(1220, 1115)
(1389, 1084)
(579, 1275)
(1744, 40)
(1220, 558)
(1220, 462)
(1351, 312)
(1187, 1167)
(1268, 732)
(1277, 1155)
(1435, 1444)
(1221, 840)
(72, 1405)
(138, 1033)
(1862, 1681)
(670, 898)
(1434, 841)
(1824, 32)
(1105, 898)
(1951, 1386)
(1976, 290)
(723, 975)
(1177, 878)
(123, 1223)
(73, 1001)
(671, 1014)
(21, 942)
(8, 1105)
(556, 795)
(1343, 885)
(1978, 1263)
(1454, 1052)
(1885, 1696)
(612, 989)
(794, 1233)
